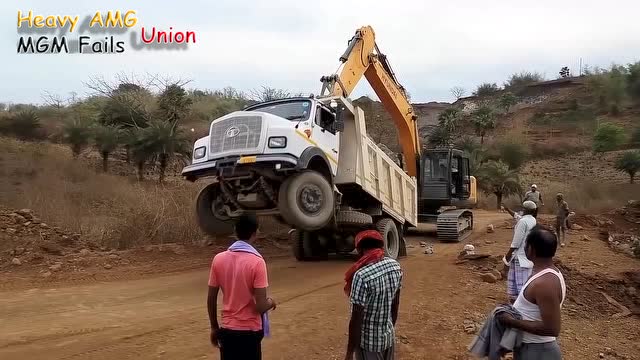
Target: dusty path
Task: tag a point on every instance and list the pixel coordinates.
(165, 317)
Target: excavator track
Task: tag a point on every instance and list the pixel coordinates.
(454, 225)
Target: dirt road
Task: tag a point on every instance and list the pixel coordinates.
(165, 317)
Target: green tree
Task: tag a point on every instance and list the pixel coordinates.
(608, 137)
(483, 120)
(164, 139)
(440, 136)
(77, 134)
(629, 162)
(523, 78)
(512, 153)
(494, 177)
(609, 87)
(507, 100)
(140, 149)
(174, 103)
(486, 89)
(633, 80)
(449, 119)
(476, 153)
(106, 139)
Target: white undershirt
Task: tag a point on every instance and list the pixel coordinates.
(531, 311)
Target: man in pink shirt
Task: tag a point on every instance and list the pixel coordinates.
(241, 273)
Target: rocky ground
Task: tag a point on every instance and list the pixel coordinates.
(150, 303)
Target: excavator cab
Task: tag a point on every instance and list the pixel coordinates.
(444, 179)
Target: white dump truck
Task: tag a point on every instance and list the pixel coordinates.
(309, 162)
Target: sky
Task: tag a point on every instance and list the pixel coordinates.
(431, 45)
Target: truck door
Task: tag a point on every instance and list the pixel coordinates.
(324, 134)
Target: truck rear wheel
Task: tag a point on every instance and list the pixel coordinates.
(306, 246)
(387, 227)
(306, 201)
(211, 217)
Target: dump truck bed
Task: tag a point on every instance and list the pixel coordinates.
(363, 163)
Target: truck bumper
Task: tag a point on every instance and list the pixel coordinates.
(220, 166)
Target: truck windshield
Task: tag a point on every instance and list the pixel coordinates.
(298, 110)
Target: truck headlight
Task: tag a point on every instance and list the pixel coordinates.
(199, 152)
(277, 142)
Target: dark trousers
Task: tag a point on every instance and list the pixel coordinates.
(240, 344)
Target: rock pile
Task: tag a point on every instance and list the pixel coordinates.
(27, 239)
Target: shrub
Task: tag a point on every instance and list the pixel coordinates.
(608, 137)
(507, 100)
(486, 89)
(512, 153)
(24, 125)
(523, 78)
(629, 162)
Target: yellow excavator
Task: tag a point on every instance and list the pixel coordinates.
(446, 189)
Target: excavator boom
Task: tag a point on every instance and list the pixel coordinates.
(363, 58)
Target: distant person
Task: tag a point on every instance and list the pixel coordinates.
(534, 195)
(540, 301)
(516, 265)
(373, 285)
(241, 273)
(562, 217)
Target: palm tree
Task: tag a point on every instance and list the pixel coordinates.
(629, 162)
(106, 139)
(165, 140)
(483, 120)
(77, 134)
(494, 177)
(140, 149)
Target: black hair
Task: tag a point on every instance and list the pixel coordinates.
(543, 241)
(246, 225)
(369, 243)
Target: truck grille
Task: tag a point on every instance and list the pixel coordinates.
(236, 133)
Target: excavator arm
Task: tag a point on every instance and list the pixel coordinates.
(363, 57)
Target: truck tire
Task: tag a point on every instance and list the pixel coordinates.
(305, 246)
(297, 246)
(306, 201)
(207, 219)
(387, 227)
(353, 219)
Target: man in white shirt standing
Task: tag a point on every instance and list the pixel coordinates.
(516, 264)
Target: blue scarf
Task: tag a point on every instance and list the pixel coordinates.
(242, 246)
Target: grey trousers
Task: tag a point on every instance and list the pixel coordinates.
(387, 354)
(544, 351)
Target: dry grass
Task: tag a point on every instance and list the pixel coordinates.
(582, 196)
(107, 209)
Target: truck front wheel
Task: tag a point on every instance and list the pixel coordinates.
(306, 201)
(211, 216)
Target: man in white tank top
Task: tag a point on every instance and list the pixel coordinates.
(539, 301)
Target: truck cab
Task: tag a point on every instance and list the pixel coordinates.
(276, 132)
(272, 158)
